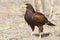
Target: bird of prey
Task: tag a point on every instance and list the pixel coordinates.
(34, 18)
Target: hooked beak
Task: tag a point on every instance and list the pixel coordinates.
(24, 6)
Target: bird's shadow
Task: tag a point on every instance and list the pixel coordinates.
(37, 35)
(45, 35)
(42, 35)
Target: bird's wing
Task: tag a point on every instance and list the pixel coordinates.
(37, 17)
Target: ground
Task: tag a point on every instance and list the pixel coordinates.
(14, 27)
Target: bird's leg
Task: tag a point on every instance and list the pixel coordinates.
(42, 34)
(40, 28)
(32, 27)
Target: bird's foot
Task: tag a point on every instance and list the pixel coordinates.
(32, 33)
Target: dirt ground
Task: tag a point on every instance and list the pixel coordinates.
(14, 27)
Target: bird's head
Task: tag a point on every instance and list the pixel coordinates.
(27, 5)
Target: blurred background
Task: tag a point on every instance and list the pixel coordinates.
(14, 27)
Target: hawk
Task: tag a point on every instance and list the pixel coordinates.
(34, 18)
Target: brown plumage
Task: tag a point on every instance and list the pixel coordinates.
(34, 18)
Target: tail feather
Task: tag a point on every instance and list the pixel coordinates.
(50, 24)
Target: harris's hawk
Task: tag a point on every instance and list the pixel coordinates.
(34, 18)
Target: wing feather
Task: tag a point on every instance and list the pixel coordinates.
(37, 17)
